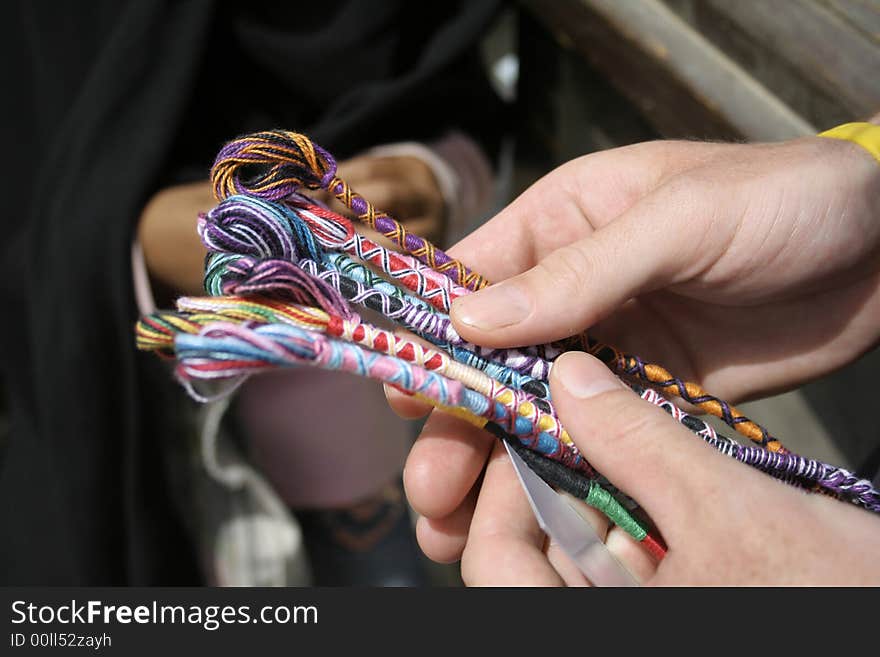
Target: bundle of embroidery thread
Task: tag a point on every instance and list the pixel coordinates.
(285, 274)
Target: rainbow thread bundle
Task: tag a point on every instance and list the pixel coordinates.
(285, 274)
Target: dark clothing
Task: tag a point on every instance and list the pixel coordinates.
(106, 103)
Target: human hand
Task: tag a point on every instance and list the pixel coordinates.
(402, 185)
(726, 251)
(734, 306)
(724, 523)
(173, 251)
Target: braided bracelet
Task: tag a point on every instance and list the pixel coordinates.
(158, 332)
(275, 164)
(339, 233)
(257, 227)
(226, 273)
(355, 330)
(421, 320)
(222, 350)
(230, 351)
(268, 229)
(281, 162)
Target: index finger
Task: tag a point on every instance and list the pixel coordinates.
(505, 544)
(571, 202)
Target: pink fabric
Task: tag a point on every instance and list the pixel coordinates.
(323, 439)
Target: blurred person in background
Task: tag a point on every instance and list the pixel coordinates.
(118, 112)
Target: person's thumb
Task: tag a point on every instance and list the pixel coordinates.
(579, 284)
(636, 445)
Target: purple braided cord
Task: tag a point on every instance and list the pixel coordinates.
(786, 466)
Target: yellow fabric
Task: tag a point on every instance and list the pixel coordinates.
(866, 135)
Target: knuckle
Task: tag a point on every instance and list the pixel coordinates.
(418, 480)
(486, 558)
(471, 558)
(620, 419)
(568, 271)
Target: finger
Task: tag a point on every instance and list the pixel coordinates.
(443, 464)
(505, 544)
(631, 555)
(581, 283)
(572, 201)
(406, 406)
(636, 445)
(443, 539)
(562, 564)
(597, 520)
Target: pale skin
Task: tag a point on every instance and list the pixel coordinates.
(748, 268)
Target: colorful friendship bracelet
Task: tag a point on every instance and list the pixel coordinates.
(788, 467)
(291, 220)
(335, 232)
(231, 351)
(275, 164)
(339, 233)
(221, 350)
(269, 229)
(356, 330)
(159, 331)
(226, 273)
(239, 224)
(655, 375)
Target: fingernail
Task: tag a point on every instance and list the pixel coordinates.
(583, 377)
(498, 306)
